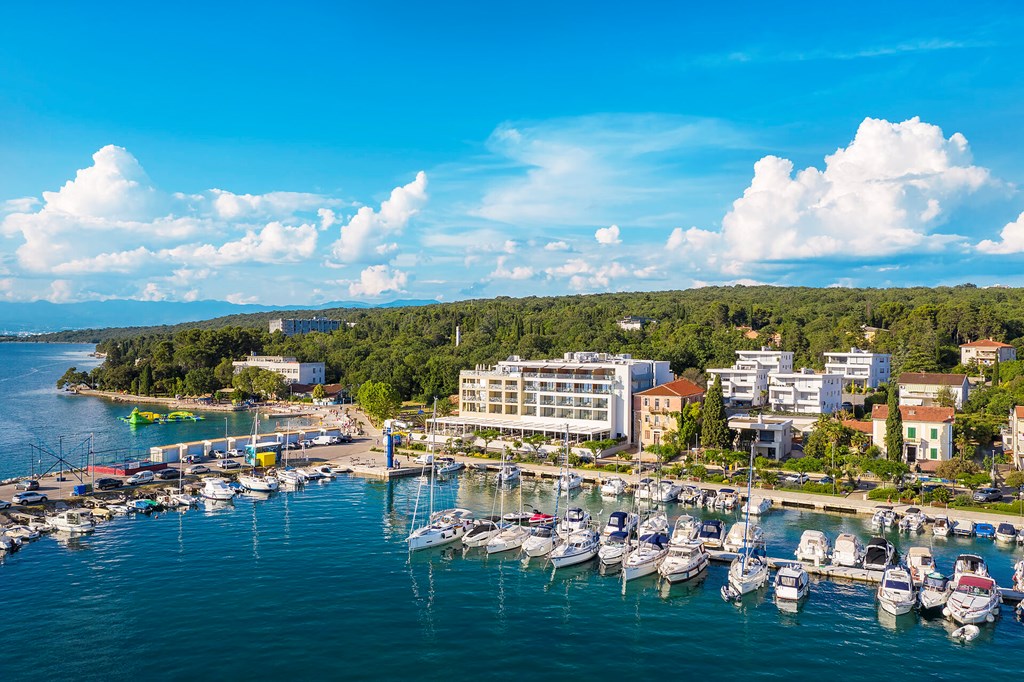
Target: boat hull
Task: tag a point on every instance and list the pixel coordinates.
(435, 538)
(676, 572)
(564, 560)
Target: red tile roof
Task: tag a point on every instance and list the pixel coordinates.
(857, 425)
(1019, 411)
(985, 343)
(682, 388)
(932, 379)
(914, 413)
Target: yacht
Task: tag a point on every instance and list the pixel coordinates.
(576, 519)
(613, 547)
(940, 526)
(613, 487)
(685, 529)
(735, 539)
(690, 494)
(934, 592)
(73, 521)
(666, 491)
(579, 547)
(1006, 532)
(508, 538)
(542, 540)
(712, 533)
(482, 531)
(963, 528)
(920, 563)
(260, 484)
(644, 558)
(896, 594)
(685, 560)
(984, 530)
(327, 471)
(726, 499)
(848, 551)
(445, 527)
(217, 489)
(448, 465)
(619, 521)
(757, 506)
(747, 572)
(290, 478)
(644, 489)
(814, 547)
(517, 516)
(878, 554)
(508, 473)
(708, 497)
(792, 582)
(568, 481)
(974, 599)
(969, 564)
(653, 525)
(883, 518)
(913, 520)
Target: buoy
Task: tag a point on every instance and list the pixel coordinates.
(945, 611)
(990, 618)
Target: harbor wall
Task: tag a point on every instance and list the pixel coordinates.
(177, 452)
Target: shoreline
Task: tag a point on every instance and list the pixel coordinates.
(176, 403)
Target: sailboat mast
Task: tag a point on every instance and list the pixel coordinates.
(746, 520)
(432, 459)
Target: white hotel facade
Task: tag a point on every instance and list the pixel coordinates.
(766, 377)
(289, 368)
(860, 367)
(746, 382)
(591, 394)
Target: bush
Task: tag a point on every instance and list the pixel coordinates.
(881, 493)
(941, 495)
(699, 471)
(717, 478)
(962, 500)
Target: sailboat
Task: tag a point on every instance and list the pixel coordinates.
(580, 545)
(253, 481)
(443, 527)
(511, 536)
(749, 570)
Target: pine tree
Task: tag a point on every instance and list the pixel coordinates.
(894, 427)
(715, 426)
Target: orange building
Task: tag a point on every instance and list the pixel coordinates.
(655, 408)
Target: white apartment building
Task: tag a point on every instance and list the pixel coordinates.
(927, 432)
(591, 394)
(746, 382)
(291, 327)
(771, 436)
(859, 367)
(1014, 440)
(986, 352)
(294, 372)
(805, 392)
(927, 388)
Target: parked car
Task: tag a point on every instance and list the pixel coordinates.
(217, 454)
(192, 459)
(235, 452)
(198, 469)
(987, 495)
(4, 504)
(826, 480)
(292, 445)
(108, 483)
(230, 464)
(29, 498)
(168, 474)
(799, 479)
(141, 477)
(344, 438)
(27, 484)
(323, 440)
(307, 443)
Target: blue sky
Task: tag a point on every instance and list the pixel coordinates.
(320, 152)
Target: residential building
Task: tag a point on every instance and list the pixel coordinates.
(986, 352)
(871, 332)
(771, 437)
(927, 432)
(745, 384)
(859, 367)
(634, 323)
(288, 367)
(291, 327)
(927, 388)
(657, 406)
(590, 394)
(774, 339)
(805, 392)
(1014, 440)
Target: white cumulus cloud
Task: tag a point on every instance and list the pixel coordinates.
(1011, 239)
(608, 235)
(514, 273)
(378, 279)
(557, 246)
(369, 229)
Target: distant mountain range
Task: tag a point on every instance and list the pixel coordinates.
(40, 317)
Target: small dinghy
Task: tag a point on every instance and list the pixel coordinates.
(966, 633)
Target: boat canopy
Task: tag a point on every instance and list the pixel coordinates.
(1007, 529)
(976, 581)
(657, 539)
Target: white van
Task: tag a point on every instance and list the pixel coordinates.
(141, 477)
(323, 440)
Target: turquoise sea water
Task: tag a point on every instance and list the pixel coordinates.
(318, 584)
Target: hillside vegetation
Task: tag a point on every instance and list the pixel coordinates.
(413, 348)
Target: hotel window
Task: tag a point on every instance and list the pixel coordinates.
(934, 453)
(647, 402)
(647, 435)
(911, 432)
(657, 403)
(935, 434)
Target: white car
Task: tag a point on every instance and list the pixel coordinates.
(799, 479)
(141, 477)
(198, 469)
(235, 452)
(4, 504)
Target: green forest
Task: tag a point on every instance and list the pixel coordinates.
(413, 349)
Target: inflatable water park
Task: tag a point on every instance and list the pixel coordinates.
(138, 418)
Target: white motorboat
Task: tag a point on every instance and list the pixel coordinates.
(613, 548)
(289, 478)
(878, 554)
(644, 558)
(969, 564)
(726, 499)
(619, 521)
(757, 506)
(792, 582)
(690, 494)
(883, 519)
(447, 466)
(645, 489)
(567, 480)
(259, 484)
(848, 551)
(814, 547)
(896, 594)
(575, 519)
(1018, 576)
(654, 524)
(579, 547)
(517, 516)
(974, 599)
(666, 491)
(178, 500)
(508, 473)
(685, 561)
(73, 521)
(735, 540)
(963, 528)
(913, 520)
(508, 539)
(482, 531)
(747, 572)
(613, 487)
(940, 526)
(446, 526)
(326, 471)
(1006, 532)
(920, 563)
(23, 533)
(338, 471)
(934, 592)
(9, 544)
(542, 541)
(685, 529)
(712, 533)
(309, 473)
(217, 489)
(708, 497)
